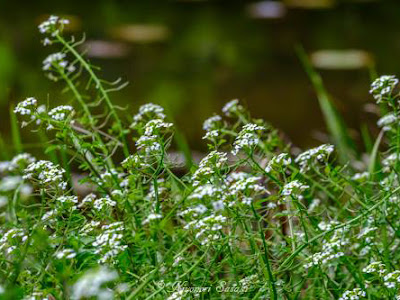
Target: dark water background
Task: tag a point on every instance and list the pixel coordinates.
(193, 56)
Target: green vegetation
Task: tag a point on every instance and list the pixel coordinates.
(106, 213)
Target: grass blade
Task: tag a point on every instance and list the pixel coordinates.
(334, 122)
(15, 133)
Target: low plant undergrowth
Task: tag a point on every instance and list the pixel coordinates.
(254, 219)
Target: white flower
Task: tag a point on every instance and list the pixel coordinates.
(360, 176)
(294, 188)
(20, 161)
(150, 144)
(3, 201)
(383, 86)
(65, 253)
(354, 294)
(207, 190)
(278, 161)
(194, 211)
(247, 137)
(150, 111)
(207, 229)
(314, 204)
(90, 284)
(10, 183)
(388, 121)
(212, 123)
(152, 125)
(375, 267)
(151, 217)
(60, 113)
(231, 108)
(208, 166)
(52, 25)
(26, 107)
(390, 161)
(211, 135)
(109, 243)
(391, 279)
(309, 157)
(177, 261)
(46, 173)
(218, 205)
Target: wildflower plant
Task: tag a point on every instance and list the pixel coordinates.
(254, 219)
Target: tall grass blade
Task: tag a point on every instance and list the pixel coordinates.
(4, 154)
(15, 133)
(334, 122)
(374, 154)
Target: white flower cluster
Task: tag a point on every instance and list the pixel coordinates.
(294, 189)
(36, 295)
(360, 176)
(390, 161)
(326, 226)
(375, 267)
(151, 217)
(29, 107)
(247, 283)
(392, 279)
(212, 123)
(388, 121)
(46, 173)
(61, 113)
(246, 188)
(108, 243)
(353, 294)
(11, 239)
(278, 162)
(194, 212)
(149, 144)
(152, 126)
(49, 216)
(211, 135)
(212, 127)
(383, 86)
(52, 25)
(367, 234)
(177, 295)
(57, 62)
(147, 112)
(309, 157)
(313, 205)
(247, 137)
(232, 107)
(20, 162)
(208, 228)
(98, 203)
(208, 166)
(65, 253)
(331, 249)
(206, 191)
(26, 107)
(91, 285)
(132, 162)
(68, 201)
(89, 227)
(150, 141)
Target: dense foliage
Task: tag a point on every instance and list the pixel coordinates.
(255, 219)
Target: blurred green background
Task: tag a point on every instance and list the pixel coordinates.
(193, 56)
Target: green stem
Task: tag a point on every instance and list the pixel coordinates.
(101, 89)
